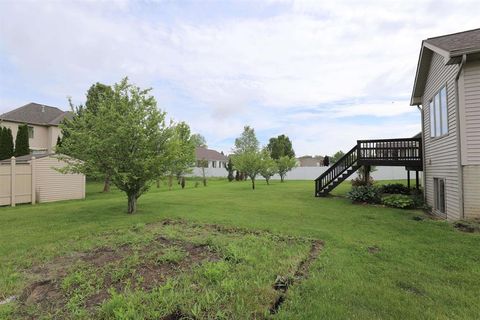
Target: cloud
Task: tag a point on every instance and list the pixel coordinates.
(297, 62)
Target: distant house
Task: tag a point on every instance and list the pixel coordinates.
(215, 159)
(43, 125)
(309, 161)
(447, 91)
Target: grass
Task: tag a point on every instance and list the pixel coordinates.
(418, 270)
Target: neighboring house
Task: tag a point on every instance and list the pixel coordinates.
(215, 159)
(309, 161)
(43, 125)
(447, 91)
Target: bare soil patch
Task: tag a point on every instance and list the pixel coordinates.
(283, 283)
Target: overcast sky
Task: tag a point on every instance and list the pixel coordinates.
(325, 73)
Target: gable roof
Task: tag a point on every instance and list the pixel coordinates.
(202, 153)
(451, 47)
(34, 113)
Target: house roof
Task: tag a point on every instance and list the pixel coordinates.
(34, 113)
(451, 47)
(28, 157)
(457, 43)
(202, 153)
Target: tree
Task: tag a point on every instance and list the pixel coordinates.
(280, 146)
(246, 156)
(22, 146)
(203, 164)
(125, 137)
(98, 94)
(285, 164)
(269, 166)
(199, 140)
(6, 143)
(182, 152)
(337, 156)
(230, 170)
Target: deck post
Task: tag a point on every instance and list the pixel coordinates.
(417, 183)
(408, 179)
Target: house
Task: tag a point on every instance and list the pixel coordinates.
(34, 178)
(214, 158)
(43, 125)
(309, 161)
(447, 93)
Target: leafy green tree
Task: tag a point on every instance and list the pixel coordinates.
(269, 166)
(22, 146)
(199, 140)
(230, 168)
(337, 156)
(6, 143)
(280, 146)
(246, 156)
(182, 152)
(125, 137)
(203, 164)
(96, 95)
(285, 164)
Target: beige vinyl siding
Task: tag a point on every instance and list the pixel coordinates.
(53, 185)
(471, 189)
(471, 112)
(441, 153)
(5, 183)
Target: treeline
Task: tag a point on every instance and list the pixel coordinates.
(21, 147)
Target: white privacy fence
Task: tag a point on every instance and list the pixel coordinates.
(311, 173)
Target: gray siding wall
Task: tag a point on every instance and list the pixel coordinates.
(471, 191)
(471, 139)
(441, 153)
(471, 121)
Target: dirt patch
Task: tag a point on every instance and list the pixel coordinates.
(373, 249)
(282, 283)
(410, 288)
(45, 291)
(178, 315)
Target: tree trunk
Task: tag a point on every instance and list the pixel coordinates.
(253, 184)
(106, 184)
(158, 183)
(132, 203)
(170, 182)
(282, 176)
(268, 181)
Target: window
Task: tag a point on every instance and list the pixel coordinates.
(439, 194)
(214, 164)
(439, 114)
(30, 132)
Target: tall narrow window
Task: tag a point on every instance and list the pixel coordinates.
(439, 114)
(30, 132)
(439, 194)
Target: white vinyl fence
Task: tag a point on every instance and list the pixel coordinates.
(311, 173)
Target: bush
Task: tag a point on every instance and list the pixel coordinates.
(399, 201)
(368, 194)
(395, 188)
(359, 182)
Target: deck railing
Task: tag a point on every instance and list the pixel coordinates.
(392, 152)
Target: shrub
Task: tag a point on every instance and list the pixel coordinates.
(368, 194)
(395, 188)
(360, 182)
(399, 201)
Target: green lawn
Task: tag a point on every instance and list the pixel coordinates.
(376, 263)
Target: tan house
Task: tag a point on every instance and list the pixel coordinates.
(215, 159)
(447, 92)
(43, 125)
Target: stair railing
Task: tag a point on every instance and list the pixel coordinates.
(336, 170)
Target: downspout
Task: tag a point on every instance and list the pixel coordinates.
(424, 176)
(459, 153)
